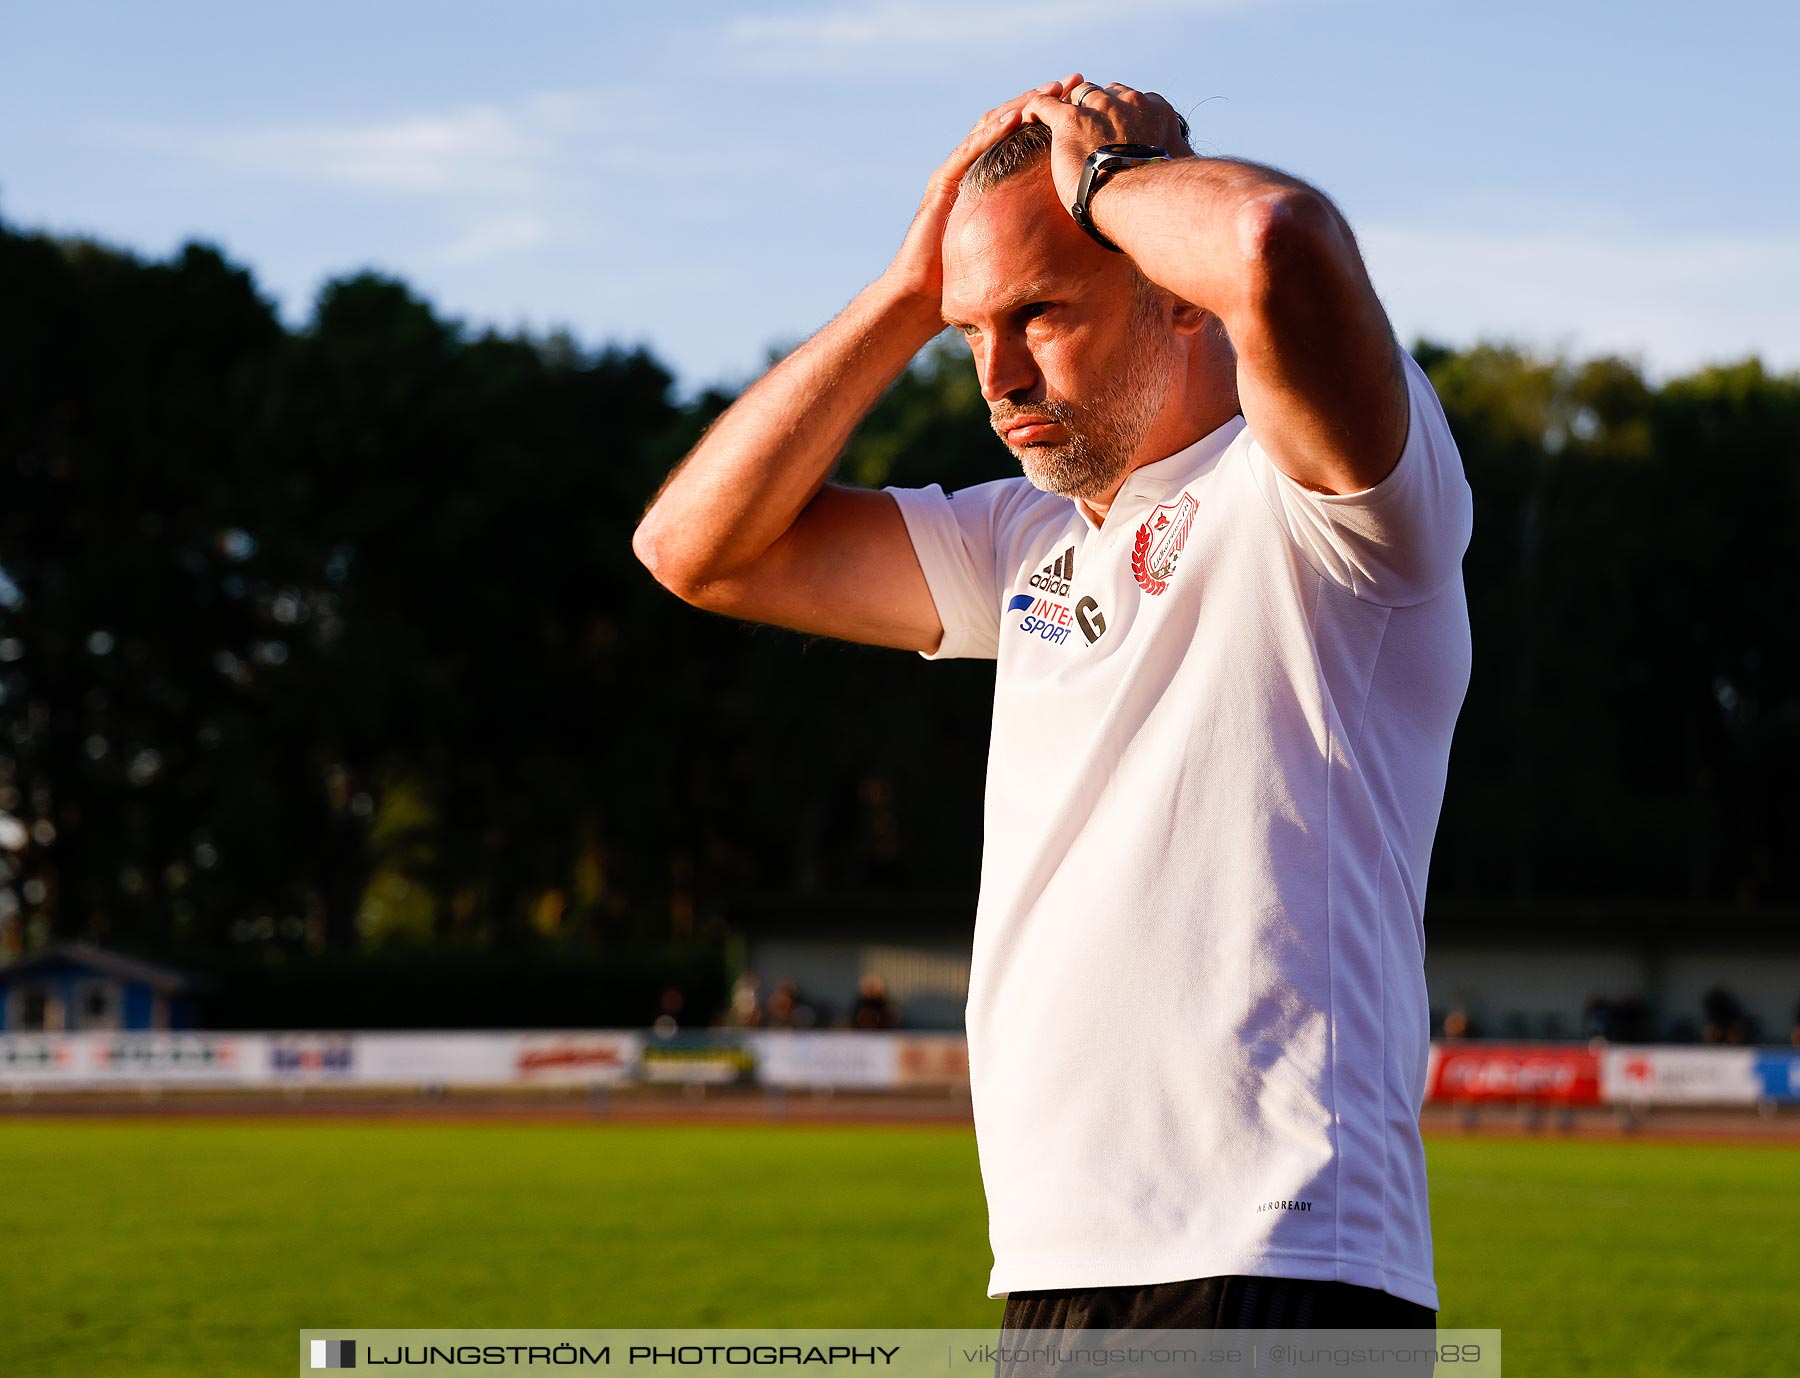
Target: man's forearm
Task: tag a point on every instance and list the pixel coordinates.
(1197, 226)
(764, 460)
(1319, 378)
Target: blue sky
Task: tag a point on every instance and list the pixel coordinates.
(712, 180)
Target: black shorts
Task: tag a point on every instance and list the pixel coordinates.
(1235, 1302)
(1222, 1303)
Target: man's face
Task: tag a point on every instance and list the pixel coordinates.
(1074, 349)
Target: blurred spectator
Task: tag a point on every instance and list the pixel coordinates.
(1457, 1024)
(1598, 1018)
(1622, 1020)
(746, 1002)
(1725, 1020)
(873, 1009)
(787, 1010)
(1631, 1020)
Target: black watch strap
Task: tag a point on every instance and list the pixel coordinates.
(1102, 165)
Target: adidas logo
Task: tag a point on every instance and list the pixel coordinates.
(1055, 576)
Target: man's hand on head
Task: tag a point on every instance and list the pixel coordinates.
(917, 270)
(1086, 115)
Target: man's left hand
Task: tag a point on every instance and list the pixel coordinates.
(1112, 114)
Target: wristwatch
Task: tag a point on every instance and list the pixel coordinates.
(1102, 164)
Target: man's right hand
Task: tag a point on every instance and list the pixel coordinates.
(918, 270)
(747, 525)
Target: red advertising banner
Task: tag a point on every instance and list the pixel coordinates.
(1514, 1072)
(932, 1060)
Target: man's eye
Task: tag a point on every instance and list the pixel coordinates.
(1032, 310)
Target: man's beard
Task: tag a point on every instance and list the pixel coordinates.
(1104, 431)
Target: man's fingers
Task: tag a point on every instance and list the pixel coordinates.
(1001, 121)
(1052, 90)
(995, 127)
(1050, 111)
(1049, 90)
(988, 131)
(1002, 115)
(1117, 109)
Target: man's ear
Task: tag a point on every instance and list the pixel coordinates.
(1189, 319)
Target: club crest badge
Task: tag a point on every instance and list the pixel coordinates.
(1159, 542)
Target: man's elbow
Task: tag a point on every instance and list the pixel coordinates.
(655, 552)
(646, 545)
(1290, 243)
(690, 579)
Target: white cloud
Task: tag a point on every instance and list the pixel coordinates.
(490, 170)
(483, 148)
(1675, 301)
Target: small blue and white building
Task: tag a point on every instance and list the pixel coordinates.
(78, 987)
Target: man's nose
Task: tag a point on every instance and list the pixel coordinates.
(1008, 372)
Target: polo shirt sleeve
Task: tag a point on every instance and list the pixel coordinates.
(1399, 542)
(955, 537)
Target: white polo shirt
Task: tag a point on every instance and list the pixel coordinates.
(1197, 1015)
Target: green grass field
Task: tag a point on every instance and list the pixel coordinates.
(194, 1248)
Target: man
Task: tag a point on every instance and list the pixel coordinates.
(1226, 604)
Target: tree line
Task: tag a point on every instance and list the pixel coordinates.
(331, 638)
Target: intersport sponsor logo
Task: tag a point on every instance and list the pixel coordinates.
(1045, 619)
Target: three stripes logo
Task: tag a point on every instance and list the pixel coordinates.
(1055, 576)
(334, 1353)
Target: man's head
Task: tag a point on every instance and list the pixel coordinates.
(1077, 351)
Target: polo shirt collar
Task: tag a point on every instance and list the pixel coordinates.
(1149, 483)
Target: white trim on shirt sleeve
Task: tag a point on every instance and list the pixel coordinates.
(955, 550)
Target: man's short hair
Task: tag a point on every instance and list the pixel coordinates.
(1024, 148)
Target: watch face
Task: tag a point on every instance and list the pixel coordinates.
(1130, 153)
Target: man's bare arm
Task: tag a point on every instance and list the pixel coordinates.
(747, 525)
(1319, 373)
